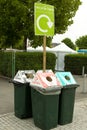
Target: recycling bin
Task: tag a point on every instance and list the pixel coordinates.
(45, 90)
(22, 94)
(66, 98)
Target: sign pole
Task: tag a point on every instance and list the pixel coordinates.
(44, 24)
(44, 53)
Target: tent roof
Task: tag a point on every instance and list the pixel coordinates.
(39, 48)
(60, 48)
(63, 48)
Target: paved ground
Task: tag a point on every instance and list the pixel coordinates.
(9, 122)
(81, 92)
(6, 96)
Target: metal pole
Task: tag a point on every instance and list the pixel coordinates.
(84, 84)
(13, 64)
(83, 70)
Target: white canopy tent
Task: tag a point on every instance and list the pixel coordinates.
(61, 50)
(39, 48)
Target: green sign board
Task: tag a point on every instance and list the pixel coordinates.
(44, 19)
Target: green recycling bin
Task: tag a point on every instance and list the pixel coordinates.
(66, 98)
(45, 109)
(22, 94)
(45, 101)
(22, 100)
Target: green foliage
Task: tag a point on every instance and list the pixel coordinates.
(38, 41)
(17, 19)
(69, 43)
(19, 45)
(6, 63)
(25, 61)
(65, 10)
(81, 42)
(13, 16)
(75, 62)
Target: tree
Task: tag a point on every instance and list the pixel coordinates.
(69, 43)
(81, 42)
(17, 19)
(13, 21)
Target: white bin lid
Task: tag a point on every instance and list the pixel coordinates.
(24, 76)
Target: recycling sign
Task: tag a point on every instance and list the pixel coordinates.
(44, 19)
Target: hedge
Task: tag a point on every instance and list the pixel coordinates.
(75, 63)
(14, 61)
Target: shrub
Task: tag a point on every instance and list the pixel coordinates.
(11, 62)
(75, 63)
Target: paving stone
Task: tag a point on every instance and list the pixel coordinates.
(10, 122)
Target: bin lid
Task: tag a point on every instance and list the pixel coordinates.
(45, 81)
(24, 76)
(66, 78)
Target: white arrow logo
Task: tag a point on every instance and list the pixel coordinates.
(49, 23)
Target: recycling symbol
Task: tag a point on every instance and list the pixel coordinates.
(49, 23)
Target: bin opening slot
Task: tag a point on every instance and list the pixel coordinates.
(49, 78)
(29, 75)
(67, 77)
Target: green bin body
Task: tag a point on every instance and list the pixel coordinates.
(66, 98)
(66, 105)
(45, 109)
(22, 100)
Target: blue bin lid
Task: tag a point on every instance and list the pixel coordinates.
(65, 78)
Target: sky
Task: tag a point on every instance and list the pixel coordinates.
(79, 26)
